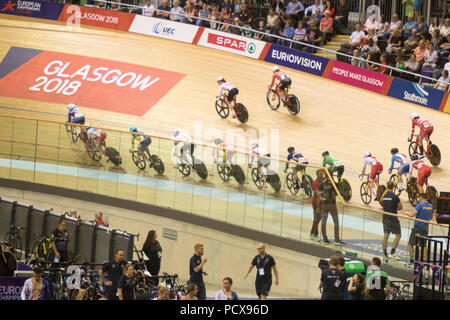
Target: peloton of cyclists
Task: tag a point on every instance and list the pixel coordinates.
(403, 169)
(299, 158)
(377, 167)
(423, 171)
(426, 129)
(261, 162)
(334, 164)
(284, 82)
(231, 92)
(144, 142)
(224, 153)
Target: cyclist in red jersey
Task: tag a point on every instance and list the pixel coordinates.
(423, 171)
(426, 129)
(284, 83)
(377, 167)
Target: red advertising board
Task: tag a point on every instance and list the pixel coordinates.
(88, 82)
(96, 17)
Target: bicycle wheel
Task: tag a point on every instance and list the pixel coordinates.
(224, 172)
(93, 152)
(345, 189)
(238, 173)
(394, 179)
(243, 113)
(157, 164)
(293, 104)
(184, 168)
(201, 170)
(72, 132)
(290, 183)
(222, 109)
(139, 160)
(413, 194)
(16, 245)
(366, 193)
(307, 185)
(381, 192)
(274, 180)
(435, 158)
(257, 179)
(273, 99)
(432, 195)
(412, 148)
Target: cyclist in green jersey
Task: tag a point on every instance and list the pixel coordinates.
(334, 164)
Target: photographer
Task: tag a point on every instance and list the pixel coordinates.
(328, 202)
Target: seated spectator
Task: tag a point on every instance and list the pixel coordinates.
(226, 293)
(371, 23)
(357, 61)
(383, 31)
(203, 13)
(419, 51)
(226, 18)
(300, 34)
(445, 29)
(443, 82)
(234, 28)
(383, 24)
(190, 13)
(261, 28)
(281, 18)
(114, 7)
(329, 6)
(191, 292)
(411, 43)
(279, 4)
(369, 48)
(395, 42)
(444, 49)
(275, 30)
(163, 10)
(422, 27)
(341, 17)
(408, 27)
(357, 36)
(400, 63)
(434, 25)
(412, 64)
(148, 10)
(244, 15)
(295, 10)
(100, 5)
(288, 32)
(227, 5)
(436, 39)
(247, 30)
(326, 26)
(176, 11)
(314, 38)
(312, 9)
(237, 6)
(395, 23)
(383, 62)
(317, 17)
(370, 62)
(430, 57)
(271, 17)
(371, 35)
(215, 16)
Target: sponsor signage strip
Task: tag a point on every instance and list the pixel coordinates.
(32, 8)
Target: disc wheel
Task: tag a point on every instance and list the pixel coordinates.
(238, 173)
(307, 182)
(201, 170)
(435, 158)
(345, 190)
(412, 194)
(293, 105)
(366, 193)
(157, 164)
(139, 160)
(243, 113)
(222, 109)
(273, 99)
(432, 195)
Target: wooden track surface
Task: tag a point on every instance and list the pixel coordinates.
(344, 120)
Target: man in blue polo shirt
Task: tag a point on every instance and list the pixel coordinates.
(196, 271)
(423, 211)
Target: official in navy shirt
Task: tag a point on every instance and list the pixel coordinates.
(332, 281)
(423, 211)
(391, 203)
(196, 271)
(115, 272)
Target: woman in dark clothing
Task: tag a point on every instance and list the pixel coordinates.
(356, 286)
(153, 251)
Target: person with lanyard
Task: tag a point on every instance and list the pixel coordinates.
(332, 281)
(264, 263)
(115, 272)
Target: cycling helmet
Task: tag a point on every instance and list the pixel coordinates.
(220, 79)
(414, 157)
(291, 149)
(218, 141)
(325, 154)
(275, 69)
(175, 132)
(414, 115)
(394, 150)
(254, 145)
(133, 129)
(70, 106)
(367, 154)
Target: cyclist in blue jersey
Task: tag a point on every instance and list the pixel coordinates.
(299, 158)
(75, 115)
(403, 169)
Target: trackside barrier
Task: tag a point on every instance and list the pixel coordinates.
(255, 49)
(87, 240)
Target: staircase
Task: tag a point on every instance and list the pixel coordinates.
(334, 44)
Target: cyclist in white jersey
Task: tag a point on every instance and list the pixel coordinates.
(258, 152)
(183, 145)
(231, 92)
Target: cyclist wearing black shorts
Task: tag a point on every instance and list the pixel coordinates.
(144, 141)
(297, 157)
(284, 82)
(232, 92)
(334, 164)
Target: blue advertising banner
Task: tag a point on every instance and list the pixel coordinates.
(11, 288)
(296, 59)
(32, 8)
(416, 93)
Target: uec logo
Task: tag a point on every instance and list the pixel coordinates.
(161, 28)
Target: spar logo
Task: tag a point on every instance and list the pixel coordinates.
(163, 29)
(231, 43)
(421, 98)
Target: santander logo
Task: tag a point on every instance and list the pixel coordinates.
(227, 42)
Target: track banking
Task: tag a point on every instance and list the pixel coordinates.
(295, 59)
